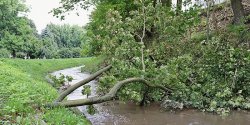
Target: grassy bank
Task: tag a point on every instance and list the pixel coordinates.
(23, 87)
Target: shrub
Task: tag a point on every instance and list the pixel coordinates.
(20, 55)
(76, 52)
(65, 53)
(4, 53)
(216, 80)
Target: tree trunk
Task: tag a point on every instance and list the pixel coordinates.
(178, 6)
(238, 11)
(167, 3)
(145, 96)
(79, 84)
(107, 97)
(154, 3)
(207, 21)
(14, 53)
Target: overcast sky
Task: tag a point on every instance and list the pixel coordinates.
(39, 13)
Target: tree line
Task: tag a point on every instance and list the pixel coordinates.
(20, 39)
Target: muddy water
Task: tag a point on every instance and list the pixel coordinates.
(118, 113)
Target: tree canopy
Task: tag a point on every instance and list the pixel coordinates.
(64, 41)
(17, 33)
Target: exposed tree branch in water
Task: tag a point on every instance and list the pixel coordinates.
(107, 97)
(81, 83)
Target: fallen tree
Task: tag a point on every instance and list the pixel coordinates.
(81, 83)
(107, 97)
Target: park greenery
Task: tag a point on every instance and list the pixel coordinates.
(198, 56)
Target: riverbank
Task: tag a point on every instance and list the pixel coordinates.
(23, 86)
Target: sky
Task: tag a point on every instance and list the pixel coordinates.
(39, 13)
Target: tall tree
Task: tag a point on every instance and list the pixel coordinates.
(9, 11)
(64, 35)
(11, 42)
(238, 11)
(17, 33)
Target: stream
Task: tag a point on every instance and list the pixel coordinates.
(120, 113)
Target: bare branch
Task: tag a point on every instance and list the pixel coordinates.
(83, 82)
(107, 97)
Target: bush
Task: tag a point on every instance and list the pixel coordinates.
(211, 76)
(4, 53)
(76, 52)
(20, 55)
(65, 53)
(216, 80)
(46, 53)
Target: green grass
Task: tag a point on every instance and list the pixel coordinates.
(23, 86)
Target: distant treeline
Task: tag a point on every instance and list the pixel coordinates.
(20, 39)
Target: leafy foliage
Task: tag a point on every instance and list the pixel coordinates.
(209, 76)
(19, 36)
(4, 53)
(69, 78)
(18, 33)
(63, 41)
(86, 90)
(91, 109)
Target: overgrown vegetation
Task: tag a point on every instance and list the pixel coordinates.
(23, 89)
(207, 68)
(62, 80)
(94, 66)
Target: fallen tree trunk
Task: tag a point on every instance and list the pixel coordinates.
(107, 97)
(79, 84)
